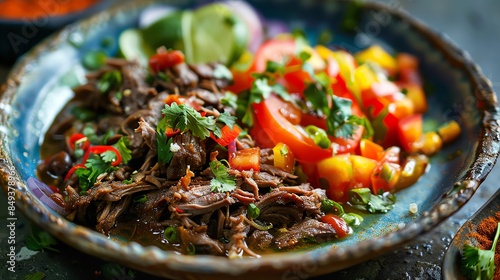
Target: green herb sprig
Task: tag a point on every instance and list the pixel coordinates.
(480, 264)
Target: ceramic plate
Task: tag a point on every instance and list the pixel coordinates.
(40, 84)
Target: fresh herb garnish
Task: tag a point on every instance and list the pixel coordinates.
(122, 147)
(253, 211)
(34, 276)
(333, 207)
(96, 165)
(112, 271)
(222, 182)
(94, 60)
(140, 198)
(363, 199)
(477, 263)
(341, 122)
(109, 81)
(222, 72)
(163, 143)
(184, 117)
(39, 240)
(275, 67)
(230, 99)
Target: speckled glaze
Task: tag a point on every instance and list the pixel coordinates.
(39, 86)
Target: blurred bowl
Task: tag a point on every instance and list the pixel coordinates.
(20, 35)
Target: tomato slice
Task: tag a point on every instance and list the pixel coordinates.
(338, 224)
(410, 131)
(279, 50)
(227, 135)
(279, 129)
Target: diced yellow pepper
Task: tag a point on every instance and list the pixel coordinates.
(449, 131)
(432, 143)
(365, 77)
(378, 55)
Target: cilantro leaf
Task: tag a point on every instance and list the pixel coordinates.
(222, 72)
(96, 165)
(230, 99)
(109, 81)
(39, 240)
(275, 67)
(34, 276)
(108, 156)
(112, 271)
(340, 121)
(163, 147)
(260, 90)
(222, 182)
(227, 119)
(477, 263)
(363, 199)
(184, 117)
(122, 147)
(317, 98)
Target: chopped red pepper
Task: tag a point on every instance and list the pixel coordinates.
(75, 138)
(164, 60)
(227, 135)
(102, 149)
(73, 169)
(178, 210)
(169, 132)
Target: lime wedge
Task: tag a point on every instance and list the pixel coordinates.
(217, 35)
(133, 47)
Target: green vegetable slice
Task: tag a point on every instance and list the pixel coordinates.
(217, 35)
(134, 47)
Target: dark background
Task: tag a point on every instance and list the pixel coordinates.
(472, 25)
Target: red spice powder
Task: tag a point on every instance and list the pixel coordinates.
(33, 9)
(484, 234)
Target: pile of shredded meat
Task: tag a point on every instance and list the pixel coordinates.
(178, 194)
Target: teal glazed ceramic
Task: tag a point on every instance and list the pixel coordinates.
(40, 84)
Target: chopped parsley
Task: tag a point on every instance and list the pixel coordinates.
(34, 276)
(39, 240)
(109, 81)
(363, 199)
(96, 165)
(163, 143)
(122, 147)
(222, 182)
(222, 72)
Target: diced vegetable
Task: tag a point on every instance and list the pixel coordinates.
(283, 157)
(431, 143)
(449, 131)
(337, 171)
(371, 150)
(378, 55)
(339, 225)
(410, 132)
(412, 169)
(166, 59)
(246, 159)
(228, 135)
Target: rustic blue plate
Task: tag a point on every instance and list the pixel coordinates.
(40, 84)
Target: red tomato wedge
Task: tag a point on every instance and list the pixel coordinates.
(278, 50)
(228, 135)
(279, 129)
(338, 224)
